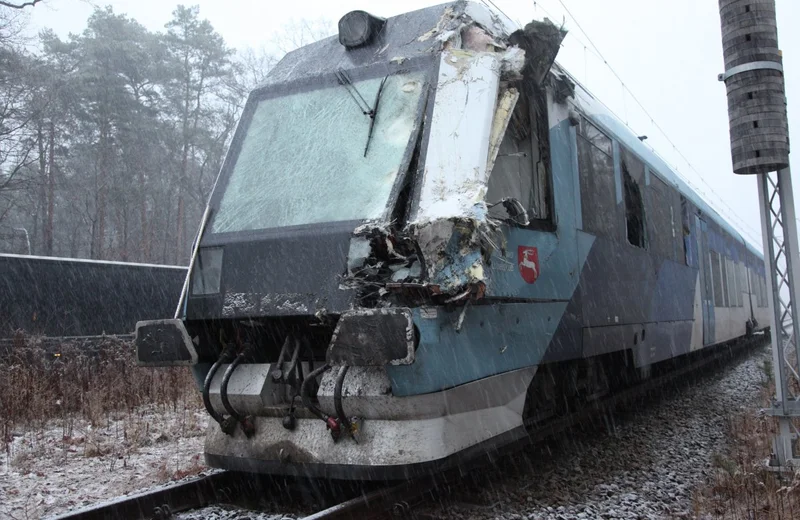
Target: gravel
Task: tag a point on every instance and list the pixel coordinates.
(648, 467)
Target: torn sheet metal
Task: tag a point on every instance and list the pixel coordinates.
(541, 42)
(502, 116)
(454, 179)
(474, 38)
(496, 23)
(446, 246)
(445, 21)
(373, 337)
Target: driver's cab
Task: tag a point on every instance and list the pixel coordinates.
(419, 161)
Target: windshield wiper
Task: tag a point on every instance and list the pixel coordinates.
(362, 104)
(374, 113)
(345, 81)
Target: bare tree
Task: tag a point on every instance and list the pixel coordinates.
(297, 33)
(16, 143)
(23, 5)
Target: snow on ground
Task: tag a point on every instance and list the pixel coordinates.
(230, 513)
(70, 463)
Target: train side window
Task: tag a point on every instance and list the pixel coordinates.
(662, 219)
(632, 183)
(716, 278)
(521, 169)
(757, 289)
(725, 280)
(598, 189)
(745, 287)
(733, 283)
(686, 232)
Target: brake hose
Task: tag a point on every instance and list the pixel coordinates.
(223, 358)
(247, 425)
(337, 400)
(330, 422)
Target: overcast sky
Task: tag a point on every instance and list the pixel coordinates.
(668, 53)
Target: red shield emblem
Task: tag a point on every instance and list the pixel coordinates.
(528, 258)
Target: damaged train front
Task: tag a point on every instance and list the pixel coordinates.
(349, 208)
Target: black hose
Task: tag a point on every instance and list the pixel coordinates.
(293, 362)
(223, 357)
(306, 398)
(277, 375)
(223, 389)
(337, 400)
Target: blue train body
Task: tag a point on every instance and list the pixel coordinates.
(424, 231)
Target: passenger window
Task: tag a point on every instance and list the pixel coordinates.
(664, 234)
(686, 232)
(733, 284)
(725, 281)
(743, 282)
(632, 182)
(716, 278)
(598, 191)
(521, 169)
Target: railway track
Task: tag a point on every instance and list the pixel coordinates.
(330, 499)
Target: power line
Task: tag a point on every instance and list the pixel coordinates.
(652, 119)
(501, 11)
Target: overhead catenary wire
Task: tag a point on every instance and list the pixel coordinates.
(501, 11)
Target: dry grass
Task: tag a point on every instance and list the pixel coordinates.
(742, 487)
(81, 423)
(38, 385)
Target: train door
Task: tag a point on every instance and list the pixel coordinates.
(706, 292)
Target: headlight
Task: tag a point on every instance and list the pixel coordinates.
(207, 271)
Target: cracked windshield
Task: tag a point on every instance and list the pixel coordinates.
(309, 157)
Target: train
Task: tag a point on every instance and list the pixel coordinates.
(428, 237)
(58, 297)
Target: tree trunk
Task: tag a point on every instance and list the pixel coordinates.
(41, 217)
(144, 245)
(102, 186)
(51, 192)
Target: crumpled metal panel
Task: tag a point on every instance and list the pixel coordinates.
(373, 337)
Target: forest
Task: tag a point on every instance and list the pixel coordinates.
(111, 139)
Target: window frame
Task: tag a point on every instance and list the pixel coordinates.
(580, 134)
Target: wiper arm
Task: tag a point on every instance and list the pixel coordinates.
(345, 81)
(374, 113)
(362, 104)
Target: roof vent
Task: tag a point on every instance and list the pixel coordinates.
(358, 28)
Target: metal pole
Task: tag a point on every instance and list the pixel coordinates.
(759, 132)
(772, 289)
(792, 254)
(779, 231)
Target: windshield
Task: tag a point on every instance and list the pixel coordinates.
(302, 159)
